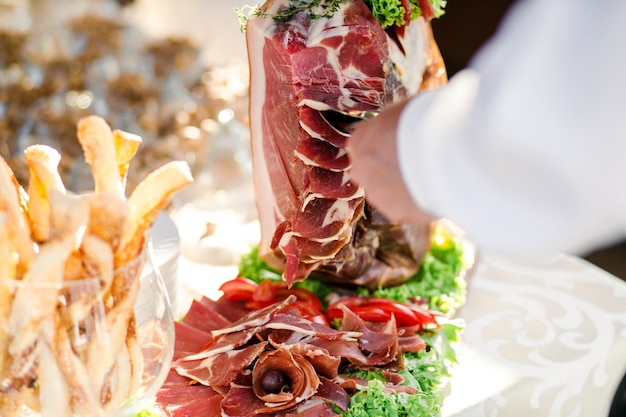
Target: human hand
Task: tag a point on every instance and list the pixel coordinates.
(372, 149)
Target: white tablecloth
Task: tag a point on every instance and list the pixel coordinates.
(544, 342)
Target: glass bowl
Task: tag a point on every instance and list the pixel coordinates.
(71, 349)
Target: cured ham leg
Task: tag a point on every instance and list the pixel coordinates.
(313, 218)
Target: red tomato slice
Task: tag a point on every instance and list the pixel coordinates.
(239, 289)
(371, 313)
(264, 296)
(302, 294)
(424, 316)
(334, 310)
(381, 309)
(403, 314)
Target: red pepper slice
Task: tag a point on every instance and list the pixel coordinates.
(333, 312)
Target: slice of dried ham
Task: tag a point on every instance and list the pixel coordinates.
(308, 207)
(178, 398)
(204, 318)
(219, 370)
(189, 339)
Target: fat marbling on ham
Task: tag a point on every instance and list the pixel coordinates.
(306, 73)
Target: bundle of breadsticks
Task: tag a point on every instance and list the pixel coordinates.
(50, 362)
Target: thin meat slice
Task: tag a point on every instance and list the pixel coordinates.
(240, 401)
(323, 183)
(204, 318)
(189, 339)
(219, 370)
(231, 310)
(318, 127)
(284, 321)
(322, 217)
(255, 318)
(319, 153)
(333, 393)
(178, 397)
(315, 407)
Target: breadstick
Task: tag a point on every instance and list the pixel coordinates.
(108, 213)
(69, 216)
(146, 200)
(7, 272)
(32, 304)
(11, 201)
(43, 162)
(126, 146)
(96, 139)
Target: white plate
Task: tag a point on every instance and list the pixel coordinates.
(547, 341)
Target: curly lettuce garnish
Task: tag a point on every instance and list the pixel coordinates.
(392, 13)
(148, 412)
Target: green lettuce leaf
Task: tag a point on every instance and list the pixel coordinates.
(391, 12)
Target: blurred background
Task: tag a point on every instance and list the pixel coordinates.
(174, 72)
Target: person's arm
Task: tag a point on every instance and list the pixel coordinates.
(526, 149)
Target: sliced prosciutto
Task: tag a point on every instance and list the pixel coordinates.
(273, 362)
(306, 73)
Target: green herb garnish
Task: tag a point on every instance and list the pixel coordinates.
(314, 9)
(388, 12)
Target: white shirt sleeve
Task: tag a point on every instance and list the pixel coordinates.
(526, 149)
